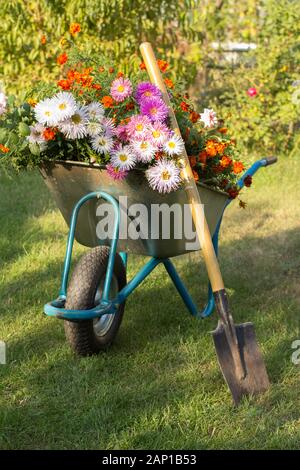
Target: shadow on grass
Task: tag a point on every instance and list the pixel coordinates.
(137, 394)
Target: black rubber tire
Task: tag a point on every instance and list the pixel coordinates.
(81, 293)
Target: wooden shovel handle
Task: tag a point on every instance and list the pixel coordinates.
(201, 226)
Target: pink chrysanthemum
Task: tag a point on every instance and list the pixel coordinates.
(164, 176)
(154, 108)
(120, 89)
(115, 172)
(146, 90)
(121, 133)
(138, 126)
(159, 133)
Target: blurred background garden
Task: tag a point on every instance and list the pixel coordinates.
(159, 386)
(241, 58)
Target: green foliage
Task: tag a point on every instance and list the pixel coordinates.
(113, 27)
(182, 32)
(269, 121)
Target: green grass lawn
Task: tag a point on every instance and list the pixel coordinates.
(159, 386)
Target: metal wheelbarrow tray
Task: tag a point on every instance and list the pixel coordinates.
(70, 181)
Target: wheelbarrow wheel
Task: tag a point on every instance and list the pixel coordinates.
(89, 337)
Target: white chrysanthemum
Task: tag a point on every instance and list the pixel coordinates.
(174, 145)
(36, 134)
(102, 143)
(108, 126)
(3, 103)
(64, 105)
(209, 117)
(75, 126)
(143, 149)
(45, 113)
(164, 176)
(94, 128)
(96, 111)
(123, 158)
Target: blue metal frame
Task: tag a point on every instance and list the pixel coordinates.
(110, 306)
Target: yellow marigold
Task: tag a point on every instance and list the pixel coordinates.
(32, 102)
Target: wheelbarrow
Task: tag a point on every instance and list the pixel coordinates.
(92, 303)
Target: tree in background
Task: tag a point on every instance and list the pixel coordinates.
(182, 31)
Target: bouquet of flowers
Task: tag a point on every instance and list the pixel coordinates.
(96, 114)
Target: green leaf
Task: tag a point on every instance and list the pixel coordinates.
(24, 129)
(34, 149)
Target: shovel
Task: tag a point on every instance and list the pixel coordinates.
(239, 357)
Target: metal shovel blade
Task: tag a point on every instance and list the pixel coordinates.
(256, 378)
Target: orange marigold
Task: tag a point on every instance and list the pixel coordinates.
(49, 134)
(169, 83)
(107, 101)
(238, 167)
(142, 66)
(43, 39)
(248, 181)
(210, 148)
(75, 28)
(129, 106)
(111, 70)
(184, 106)
(163, 65)
(64, 84)
(158, 155)
(225, 161)
(4, 149)
(223, 130)
(62, 59)
(217, 168)
(233, 192)
(194, 116)
(220, 148)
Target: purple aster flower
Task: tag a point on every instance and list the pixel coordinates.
(120, 89)
(146, 90)
(154, 108)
